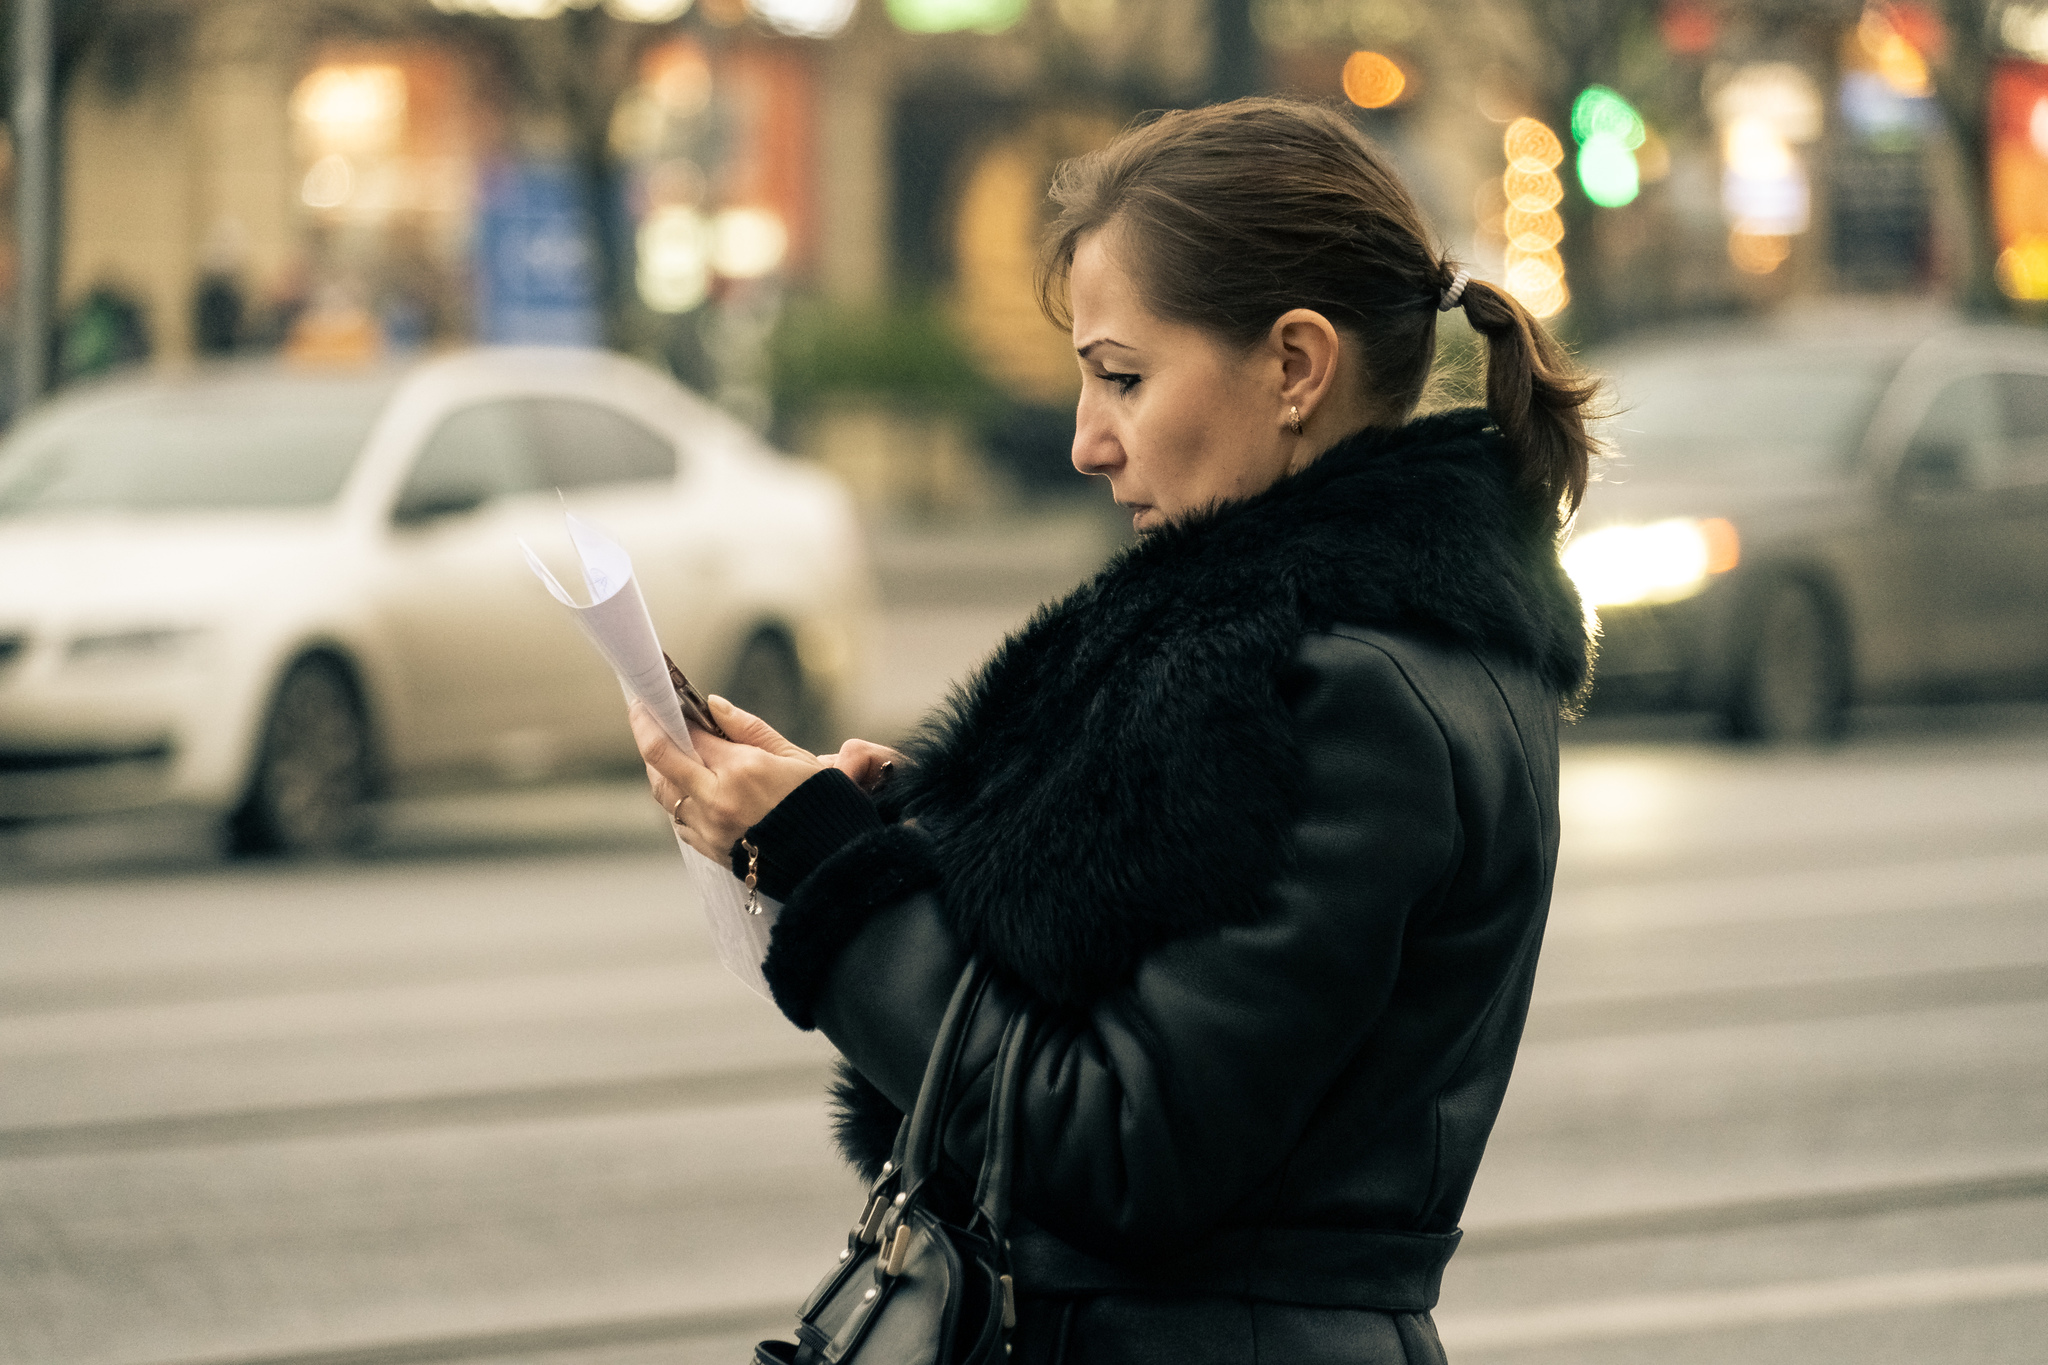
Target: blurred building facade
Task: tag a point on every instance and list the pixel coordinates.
(824, 211)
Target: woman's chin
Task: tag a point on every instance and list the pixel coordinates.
(1145, 517)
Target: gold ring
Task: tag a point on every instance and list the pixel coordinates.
(675, 812)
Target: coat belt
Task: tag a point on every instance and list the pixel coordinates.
(1395, 1272)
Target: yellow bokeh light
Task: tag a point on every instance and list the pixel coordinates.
(1536, 279)
(1537, 231)
(351, 108)
(2023, 269)
(1530, 146)
(1758, 253)
(1531, 191)
(1372, 81)
(1532, 272)
(1897, 60)
(1547, 303)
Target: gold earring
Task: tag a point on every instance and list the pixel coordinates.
(1294, 420)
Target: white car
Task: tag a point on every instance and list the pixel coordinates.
(273, 594)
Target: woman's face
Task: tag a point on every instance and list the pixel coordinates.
(1171, 415)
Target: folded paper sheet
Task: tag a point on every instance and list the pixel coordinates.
(616, 621)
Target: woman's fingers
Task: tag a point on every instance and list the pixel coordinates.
(747, 728)
(864, 761)
(720, 854)
(661, 754)
(725, 789)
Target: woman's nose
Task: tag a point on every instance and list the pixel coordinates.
(1095, 449)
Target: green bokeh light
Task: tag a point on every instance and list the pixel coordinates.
(1607, 170)
(1599, 111)
(951, 16)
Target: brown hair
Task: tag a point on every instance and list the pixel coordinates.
(1236, 213)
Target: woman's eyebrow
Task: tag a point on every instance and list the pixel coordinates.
(1082, 351)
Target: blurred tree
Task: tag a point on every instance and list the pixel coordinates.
(574, 68)
(1234, 65)
(79, 27)
(1959, 61)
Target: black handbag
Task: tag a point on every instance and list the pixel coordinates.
(912, 1287)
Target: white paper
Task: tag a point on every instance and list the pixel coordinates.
(617, 623)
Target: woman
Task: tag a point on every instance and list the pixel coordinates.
(1258, 825)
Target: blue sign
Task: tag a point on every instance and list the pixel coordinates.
(534, 272)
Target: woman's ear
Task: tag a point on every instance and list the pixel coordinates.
(1308, 349)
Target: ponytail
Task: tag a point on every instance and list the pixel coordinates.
(1536, 396)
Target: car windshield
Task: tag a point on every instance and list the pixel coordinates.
(284, 443)
(1765, 417)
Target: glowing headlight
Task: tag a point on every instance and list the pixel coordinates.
(1618, 566)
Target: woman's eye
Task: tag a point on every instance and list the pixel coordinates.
(1124, 382)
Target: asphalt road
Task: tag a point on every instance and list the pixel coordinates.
(484, 1096)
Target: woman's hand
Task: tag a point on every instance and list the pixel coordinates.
(867, 763)
(717, 796)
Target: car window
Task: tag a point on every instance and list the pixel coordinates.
(1716, 419)
(477, 453)
(2026, 428)
(1956, 446)
(581, 444)
(235, 444)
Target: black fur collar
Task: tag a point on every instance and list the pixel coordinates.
(1118, 774)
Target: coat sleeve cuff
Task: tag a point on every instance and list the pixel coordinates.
(811, 824)
(830, 907)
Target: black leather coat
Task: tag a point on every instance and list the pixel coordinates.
(1259, 828)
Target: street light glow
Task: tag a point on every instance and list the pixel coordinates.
(2024, 29)
(804, 18)
(1533, 271)
(1539, 231)
(351, 108)
(1531, 191)
(674, 250)
(1372, 81)
(1531, 146)
(1607, 171)
(747, 243)
(1601, 112)
(329, 182)
(1608, 130)
(954, 16)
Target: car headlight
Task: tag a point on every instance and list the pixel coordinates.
(128, 648)
(1664, 561)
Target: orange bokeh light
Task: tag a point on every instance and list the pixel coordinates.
(1758, 253)
(1372, 81)
(1537, 231)
(1530, 146)
(1531, 191)
(1724, 547)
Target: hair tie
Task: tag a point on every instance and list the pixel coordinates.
(1453, 292)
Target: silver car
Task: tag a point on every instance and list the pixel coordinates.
(1794, 521)
(271, 594)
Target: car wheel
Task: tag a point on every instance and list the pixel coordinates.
(312, 771)
(1793, 683)
(768, 681)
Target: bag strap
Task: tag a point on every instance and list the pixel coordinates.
(927, 1117)
(918, 1139)
(992, 1191)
